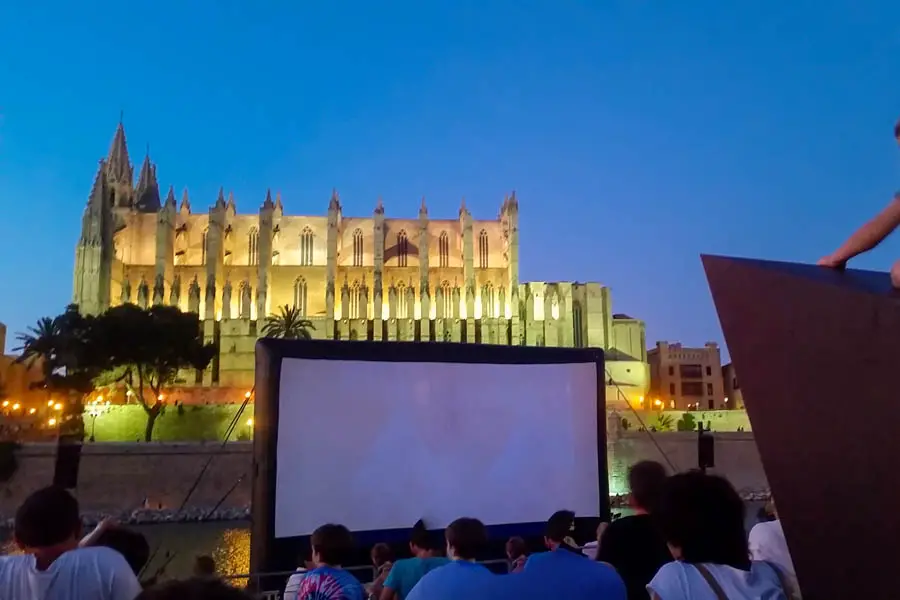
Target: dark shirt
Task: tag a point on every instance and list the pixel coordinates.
(634, 546)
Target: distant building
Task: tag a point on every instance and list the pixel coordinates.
(685, 378)
(365, 277)
(18, 391)
(734, 398)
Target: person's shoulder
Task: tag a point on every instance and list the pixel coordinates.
(671, 581)
(100, 556)
(15, 563)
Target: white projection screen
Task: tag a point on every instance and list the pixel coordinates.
(377, 435)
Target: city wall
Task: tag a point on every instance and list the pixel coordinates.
(117, 477)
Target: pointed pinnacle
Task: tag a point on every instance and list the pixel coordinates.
(278, 201)
(231, 200)
(220, 201)
(423, 210)
(379, 208)
(170, 198)
(185, 201)
(267, 203)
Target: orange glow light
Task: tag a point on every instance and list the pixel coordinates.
(51, 422)
(57, 406)
(17, 406)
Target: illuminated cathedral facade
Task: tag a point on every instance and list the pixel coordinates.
(353, 278)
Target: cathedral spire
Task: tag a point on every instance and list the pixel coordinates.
(379, 208)
(462, 207)
(278, 206)
(170, 198)
(423, 210)
(267, 203)
(231, 205)
(335, 203)
(118, 163)
(185, 202)
(147, 191)
(220, 201)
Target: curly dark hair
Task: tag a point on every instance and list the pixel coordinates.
(703, 516)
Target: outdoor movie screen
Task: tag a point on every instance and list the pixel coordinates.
(376, 436)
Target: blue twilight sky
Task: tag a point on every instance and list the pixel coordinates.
(637, 133)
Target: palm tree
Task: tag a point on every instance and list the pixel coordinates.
(289, 324)
(40, 343)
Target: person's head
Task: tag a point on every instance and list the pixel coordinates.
(193, 589)
(515, 547)
(420, 541)
(332, 545)
(645, 480)
(381, 554)
(204, 566)
(466, 537)
(702, 519)
(559, 529)
(48, 523)
(130, 544)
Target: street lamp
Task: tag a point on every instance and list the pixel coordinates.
(95, 409)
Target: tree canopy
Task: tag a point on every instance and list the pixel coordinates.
(289, 324)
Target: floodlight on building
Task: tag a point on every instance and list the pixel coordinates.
(17, 406)
(51, 422)
(57, 406)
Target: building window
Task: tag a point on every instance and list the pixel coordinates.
(671, 371)
(253, 247)
(306, 247)
(692, 388)
(709, 389)
(734, 384)
(357, 305)
(483, 250)
(300, 295)
(444, 250)
(357, 248)
(402, 309)
(203, 244)
(672, 388)
(448, 299)
(577, 325)
(402, 249)
(691, 371)
(241, 300)
(711, 403)
(488, 308)
(708, 371)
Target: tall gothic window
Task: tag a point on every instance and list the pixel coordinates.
(241, 299)
(357, 305)
(300, 295)
(447, 292)
(402, 248)
(253, 247)
(483, 250)
(306, 247)
(577, 324)
(402, 308)
(488, 301)
(357, 248)
(444, 249)
(203, 244)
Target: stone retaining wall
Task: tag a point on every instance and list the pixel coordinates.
(117, 477)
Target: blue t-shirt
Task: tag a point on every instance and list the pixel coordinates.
(460, 579)
(407, 572)
(568, 575)
(328, 583)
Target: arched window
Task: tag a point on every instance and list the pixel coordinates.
(300, 295)
(253, 247)
(402, 248)
(401, 301)
(203, 245)
(444, 249)
(241, 299)
(483, 250)
(577, 324)
(447, 292)
(357, 248)
(488, 301)
(358, 309)
(306, 247)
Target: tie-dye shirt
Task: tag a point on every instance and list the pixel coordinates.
(328, 583)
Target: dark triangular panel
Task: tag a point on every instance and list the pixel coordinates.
(817, 355)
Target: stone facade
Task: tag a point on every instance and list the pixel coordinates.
(121, 477)
(354, 278)
(686, 378)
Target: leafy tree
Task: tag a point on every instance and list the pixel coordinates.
(289, 324)
(145, 350)
(686, 423)
(61, 345)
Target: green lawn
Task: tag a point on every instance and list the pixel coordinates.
(191, 424)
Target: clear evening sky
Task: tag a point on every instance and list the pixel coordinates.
(637, 133)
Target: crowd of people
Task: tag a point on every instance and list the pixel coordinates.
(685, 540)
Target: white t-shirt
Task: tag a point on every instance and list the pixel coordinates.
(83, 574)
(767, 543)
(682, 581)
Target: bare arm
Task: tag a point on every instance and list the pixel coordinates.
(388, 594)
(91, 538)
(868, 236)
